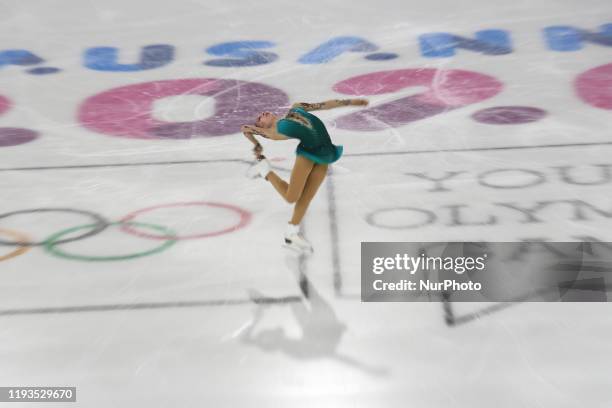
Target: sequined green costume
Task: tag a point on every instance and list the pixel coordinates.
(315, 143)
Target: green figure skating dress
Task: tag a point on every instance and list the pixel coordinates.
(315, 143)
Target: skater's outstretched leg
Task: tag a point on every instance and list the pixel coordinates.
(291, 192)
(299, 184)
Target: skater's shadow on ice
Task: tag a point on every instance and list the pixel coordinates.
(321, 330)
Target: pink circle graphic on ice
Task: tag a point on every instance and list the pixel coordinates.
(11, 136)
(5, 104)
(127, 111)
(595, 86)
(509, 115)
(446, 90)
(16, 136)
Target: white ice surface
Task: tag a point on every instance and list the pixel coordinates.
(172, 329)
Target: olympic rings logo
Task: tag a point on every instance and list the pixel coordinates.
(98, 224)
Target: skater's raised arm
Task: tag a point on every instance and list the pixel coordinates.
(332, 103)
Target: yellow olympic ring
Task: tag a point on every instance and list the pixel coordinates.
(21, 238)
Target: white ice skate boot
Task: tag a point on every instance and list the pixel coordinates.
(259, 169)
(295, 241)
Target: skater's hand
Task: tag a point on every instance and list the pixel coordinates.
(248, 129)
(360, 102)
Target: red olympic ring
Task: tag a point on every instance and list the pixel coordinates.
(245, 218)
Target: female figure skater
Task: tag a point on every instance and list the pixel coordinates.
(313, 154)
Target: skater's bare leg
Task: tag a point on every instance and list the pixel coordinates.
(315, 178)
(279, 184)
(292, 191)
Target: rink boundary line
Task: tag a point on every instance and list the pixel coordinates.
(333, 232)
(95, 166)
(179, 162)
(480, 149)
(148, 306)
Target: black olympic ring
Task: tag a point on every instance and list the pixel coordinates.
(100, 225)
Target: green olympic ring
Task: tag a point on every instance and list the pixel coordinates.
(51, 243)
